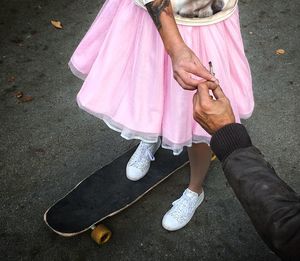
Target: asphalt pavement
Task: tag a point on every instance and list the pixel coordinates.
(48, 145)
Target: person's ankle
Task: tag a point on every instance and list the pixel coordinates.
(195, 189)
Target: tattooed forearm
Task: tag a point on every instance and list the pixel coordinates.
(156, 8)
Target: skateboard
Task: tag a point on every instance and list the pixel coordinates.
(107, 192)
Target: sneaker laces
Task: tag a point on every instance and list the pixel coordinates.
(145, 147)
(150, 154)
(138, 159)
(182, 208)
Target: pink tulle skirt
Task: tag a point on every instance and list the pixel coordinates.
(128, 77)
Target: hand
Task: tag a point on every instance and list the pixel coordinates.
(185, 64)
(212, 114)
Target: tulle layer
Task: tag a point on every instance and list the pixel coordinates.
(128, 77)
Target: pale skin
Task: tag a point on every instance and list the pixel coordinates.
(185, 65)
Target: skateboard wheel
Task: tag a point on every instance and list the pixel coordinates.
(213, 157)
(101, 234)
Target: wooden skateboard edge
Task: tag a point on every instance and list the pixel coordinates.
(45, 214)
(111, 214)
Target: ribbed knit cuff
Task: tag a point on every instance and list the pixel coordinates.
(228, 139)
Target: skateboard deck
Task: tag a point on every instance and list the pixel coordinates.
(107, 192)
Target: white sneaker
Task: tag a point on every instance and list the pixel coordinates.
(182, 211)
(139, 163)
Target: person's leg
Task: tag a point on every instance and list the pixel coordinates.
(184, 208)
(199, 156)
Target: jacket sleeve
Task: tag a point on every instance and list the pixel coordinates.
(273, 206)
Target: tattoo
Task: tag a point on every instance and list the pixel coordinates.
(156, 8)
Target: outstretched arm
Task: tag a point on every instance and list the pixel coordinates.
(185, 62)
(273, 206)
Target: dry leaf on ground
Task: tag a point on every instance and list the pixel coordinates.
(26, 98)
(280, 51)
(23, 98)
(19, 94)
(56, 24)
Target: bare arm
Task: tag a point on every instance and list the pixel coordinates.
(161, 13)
(185, 62)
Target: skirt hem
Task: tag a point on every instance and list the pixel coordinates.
(76, 72)
(130, 134)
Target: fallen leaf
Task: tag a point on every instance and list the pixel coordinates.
(23, 98)
(18, 94)
(56, 24)
(280, 51)
(26, 98)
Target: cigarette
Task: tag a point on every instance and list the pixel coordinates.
(211, 69)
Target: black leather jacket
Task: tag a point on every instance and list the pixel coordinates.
(273, 206)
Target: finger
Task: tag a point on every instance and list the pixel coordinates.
(185, 79)
(188, 80)
(210, 85)
(196, 107)
(203, 93)
(202, 71)
(199, 70)
(218, 92)
(183, 84)
(198, 112)
(195, 100)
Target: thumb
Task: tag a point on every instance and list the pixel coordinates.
(203, 92)
(195, 100)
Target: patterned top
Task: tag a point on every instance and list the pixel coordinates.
(199, 12)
